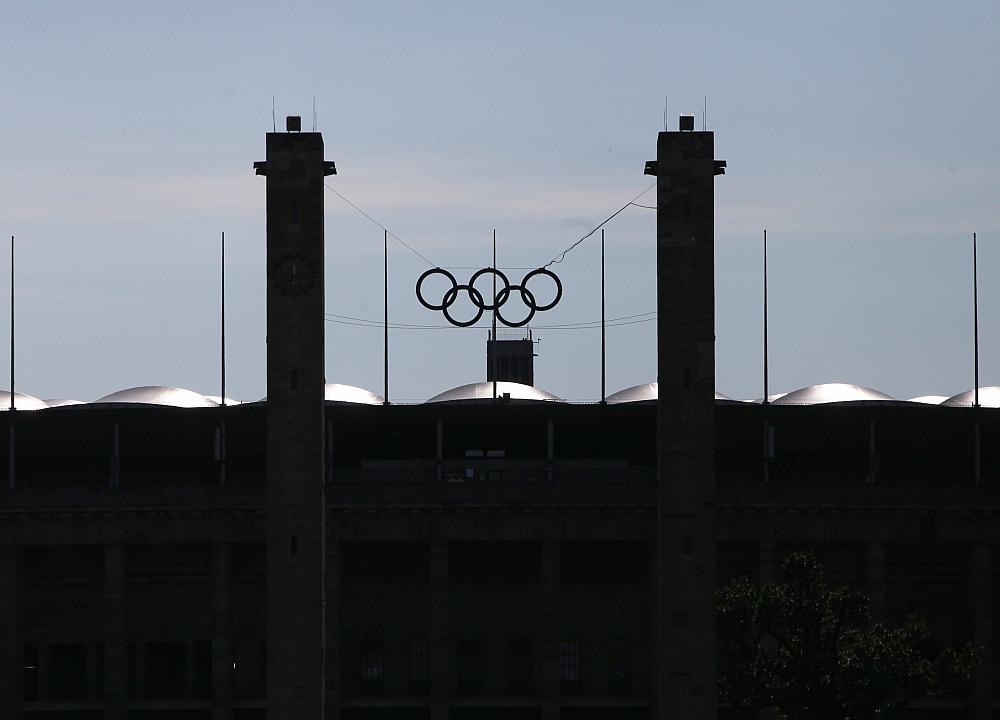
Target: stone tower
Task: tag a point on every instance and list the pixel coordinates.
(295, 388)
(685, 301)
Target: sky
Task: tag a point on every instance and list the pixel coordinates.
(862, 135)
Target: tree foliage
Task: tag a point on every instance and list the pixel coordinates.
(809, 652)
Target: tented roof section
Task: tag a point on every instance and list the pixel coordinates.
(21, 401)
(217, 399)
(831, 393)
(988, 397)
(62, 402)
(483, 391)
(159, 395)
(929, 399)
(770, 398)
(646, 392)
(335, 392)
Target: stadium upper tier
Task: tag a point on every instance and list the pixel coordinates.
(483, 392)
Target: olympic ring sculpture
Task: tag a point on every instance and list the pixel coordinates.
(503, 294)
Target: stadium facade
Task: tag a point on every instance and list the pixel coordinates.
(322, 553)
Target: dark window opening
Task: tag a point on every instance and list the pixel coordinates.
(420, 666)
(569, 662)
(618, 667)
(203, 669)
(30, 673)
(372, 666)
(521, 667)
(164, 671)
(249, 669)
(470, 666)
(68, 671)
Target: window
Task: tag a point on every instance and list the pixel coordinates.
(372, 665)
(67, 671)
(203, 669)
(470, 671)
(520, 667)
(30, 676)
(164, 676)
(420, 666)
(249, 669)
(569, 661)
(618, 667)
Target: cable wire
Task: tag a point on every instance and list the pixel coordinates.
(587, 325)
(562, 256)
(391, 234)
(557, 259)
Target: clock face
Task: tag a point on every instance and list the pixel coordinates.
(292, 274)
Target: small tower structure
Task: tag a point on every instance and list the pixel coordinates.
(511, 360)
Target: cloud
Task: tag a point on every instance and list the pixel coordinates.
(120, 199)
(884, 200)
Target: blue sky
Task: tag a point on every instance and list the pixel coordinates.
(862, 135)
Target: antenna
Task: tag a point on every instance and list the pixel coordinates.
(704, 115)
(665, 98)
(314, 112)
(765, 319)
(274, 121)
(222, 320)
(603, 328)
(975, 320)
(385, 325)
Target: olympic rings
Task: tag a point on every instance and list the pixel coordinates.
(555, 279)
(449, 300)
(501, 297)
(506, 286)
(444, 301)
(529, 300)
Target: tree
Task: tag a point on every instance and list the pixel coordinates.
(813, 653)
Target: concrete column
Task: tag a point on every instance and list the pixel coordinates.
(11, 649)
(115, 647)
(654, 621)
(982, 630)
(44, 671)
(296, 504)
(334, 676)
(875, 577)
(440, 642)
(551, 631)
(438, 448)
(767, 573)
(687, 529)
(222, 631)
(190, 663)
(93, 657)
(141, 654)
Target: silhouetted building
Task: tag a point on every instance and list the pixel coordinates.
(162, 556)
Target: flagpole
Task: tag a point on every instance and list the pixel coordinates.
(766, 391)
(385, 318)
(975, 321)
